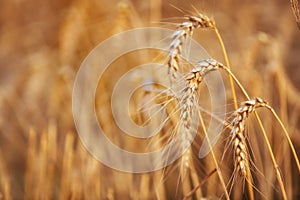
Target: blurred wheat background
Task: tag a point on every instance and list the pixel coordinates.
(42, 44)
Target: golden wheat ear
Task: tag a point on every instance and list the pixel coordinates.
(188, 104)
(241, 156)
(183, 31)
(249, 107)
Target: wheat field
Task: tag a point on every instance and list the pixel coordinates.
(255, 45)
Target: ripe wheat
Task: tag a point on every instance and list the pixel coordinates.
(188, 102)
(184, 30)
(241, 155)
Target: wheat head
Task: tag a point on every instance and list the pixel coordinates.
(184, 30)
(241, 155)
(188, 101)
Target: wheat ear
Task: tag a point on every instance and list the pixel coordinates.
(241, 155)
(184, 30)
(188, 101)
(187, 104)
(278, 175)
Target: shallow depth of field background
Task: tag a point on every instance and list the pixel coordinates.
(42, 44)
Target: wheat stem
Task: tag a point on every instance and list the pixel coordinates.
(228, 65)
(214, 159)
(287, 136)
(278, 175)
(200, 184)
(249, 185)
